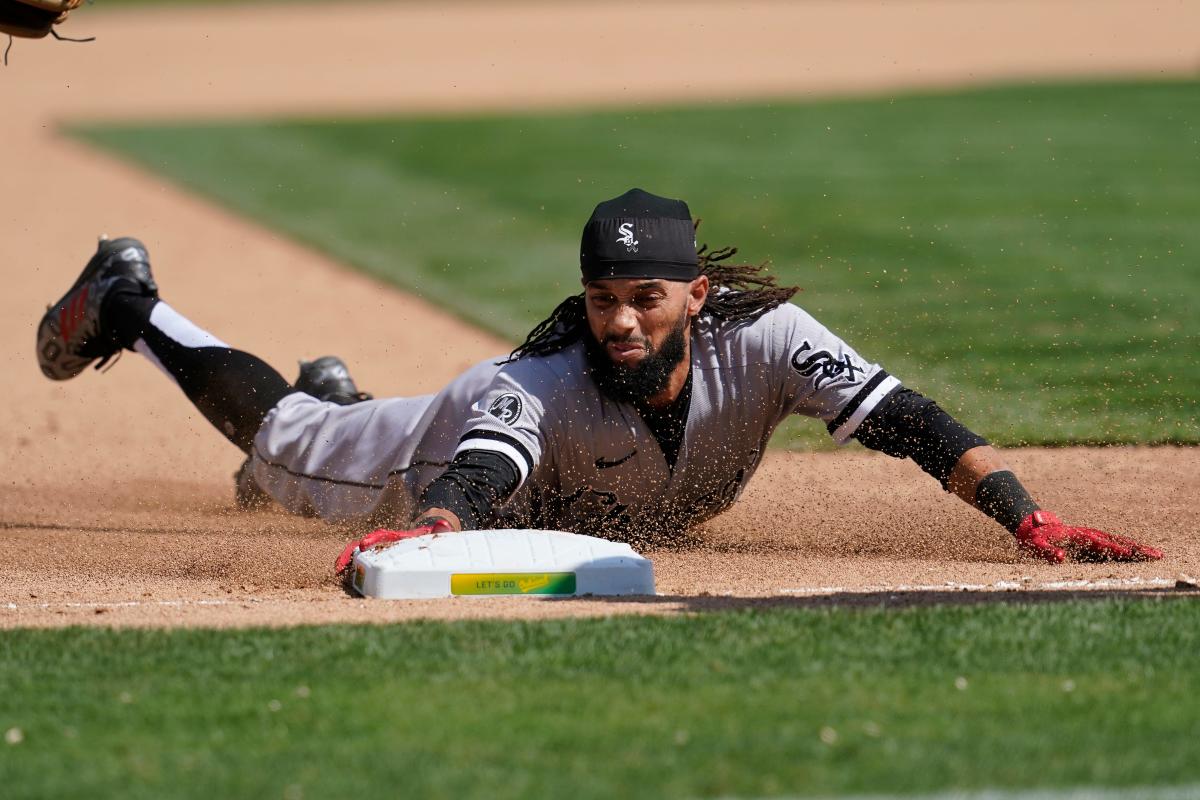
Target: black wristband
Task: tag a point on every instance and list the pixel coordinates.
(1002, 497)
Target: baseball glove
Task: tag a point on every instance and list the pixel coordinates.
(33, 19)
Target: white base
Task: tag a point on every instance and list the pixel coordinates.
(502, 562)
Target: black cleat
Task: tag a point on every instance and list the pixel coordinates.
(72, 334)
(327, 378)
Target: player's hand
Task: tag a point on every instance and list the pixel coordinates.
(1042, 534)
(384, 536)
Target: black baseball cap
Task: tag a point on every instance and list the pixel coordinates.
(639, 235)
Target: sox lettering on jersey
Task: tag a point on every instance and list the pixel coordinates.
(599, 510)
(824, 365)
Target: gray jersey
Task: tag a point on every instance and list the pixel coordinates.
(586, 463)
(591, 464)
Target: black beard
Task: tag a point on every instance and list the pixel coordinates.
(639, 383)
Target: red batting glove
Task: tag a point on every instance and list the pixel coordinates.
(384, 536)
(1042, 534)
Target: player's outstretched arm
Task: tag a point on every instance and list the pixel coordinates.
(908, 425)
(982, 479)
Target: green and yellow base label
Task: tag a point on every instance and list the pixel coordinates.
(513, 583)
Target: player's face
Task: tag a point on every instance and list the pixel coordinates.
(632, 318)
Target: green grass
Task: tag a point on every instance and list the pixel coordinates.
(1026, 255)
(800, 701)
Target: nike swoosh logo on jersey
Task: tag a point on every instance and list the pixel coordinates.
(604, 464)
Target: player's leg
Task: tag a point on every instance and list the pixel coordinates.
(317, 457)
(362, 462)
(114, 305)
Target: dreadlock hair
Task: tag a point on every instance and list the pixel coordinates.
(748, 294)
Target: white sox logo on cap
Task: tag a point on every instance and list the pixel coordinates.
(626, 231)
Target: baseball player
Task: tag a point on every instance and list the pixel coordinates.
(638, 409)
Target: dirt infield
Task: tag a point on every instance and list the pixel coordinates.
(116, 505)
(154, 552)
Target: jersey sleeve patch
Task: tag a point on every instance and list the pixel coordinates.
(506, 408)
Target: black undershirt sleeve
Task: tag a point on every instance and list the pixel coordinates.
(909, 425)
(471, 487)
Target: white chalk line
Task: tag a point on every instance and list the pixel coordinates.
(998, 586)
(1187, 792)
(130, 604)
